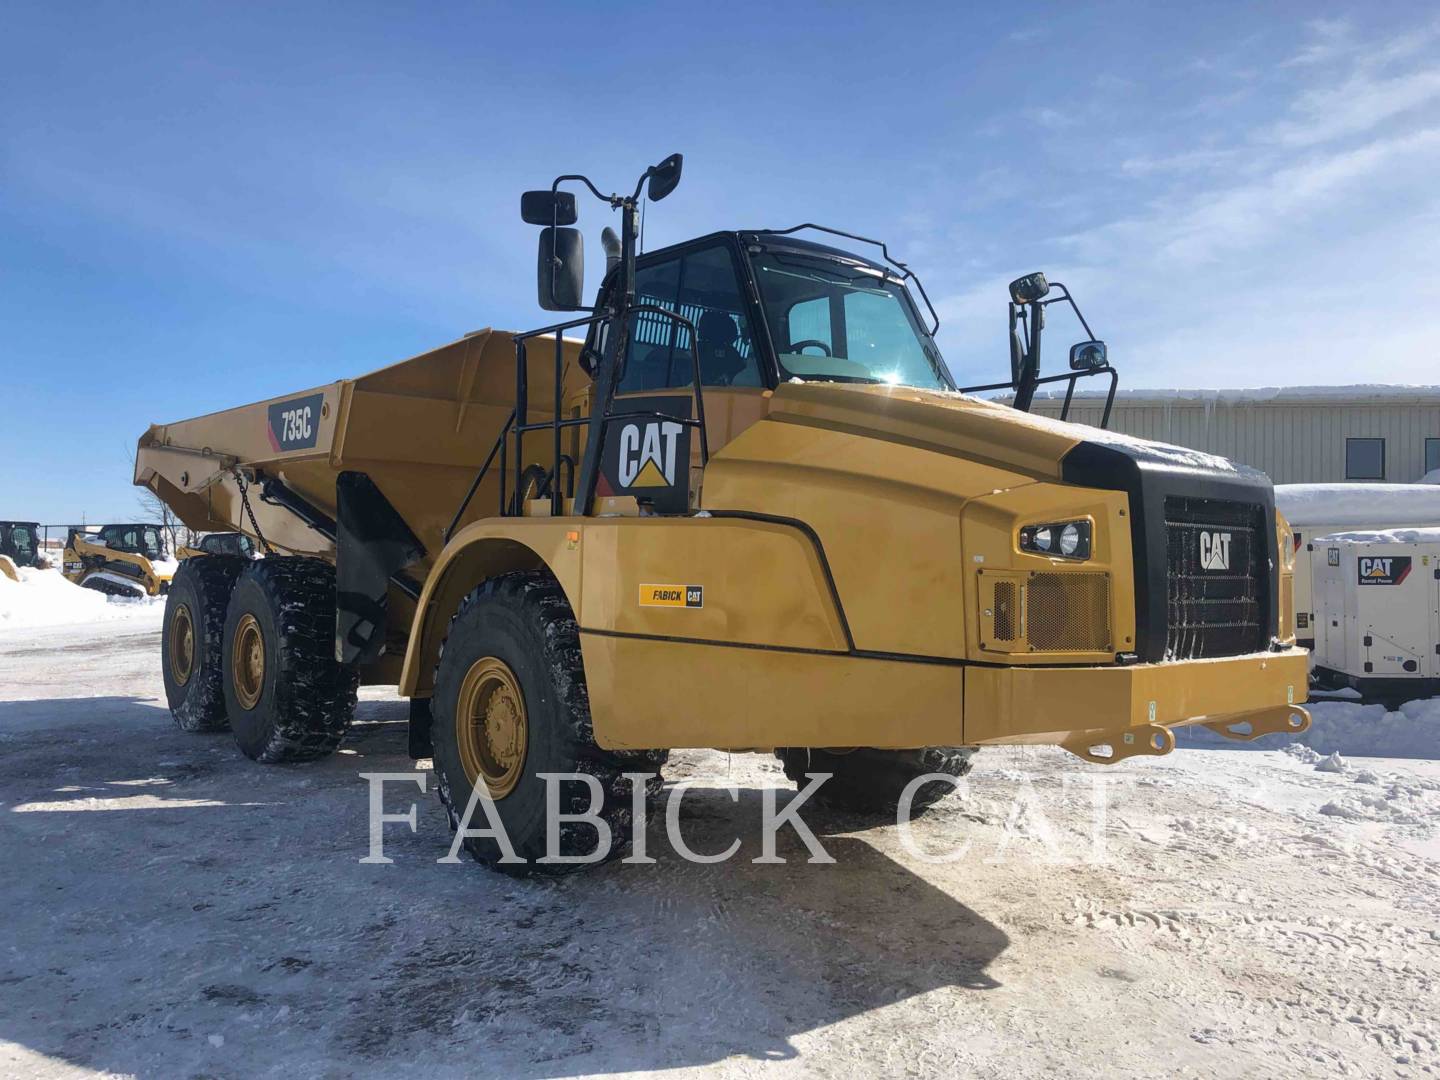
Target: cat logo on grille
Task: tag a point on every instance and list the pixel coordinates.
(1214, 551)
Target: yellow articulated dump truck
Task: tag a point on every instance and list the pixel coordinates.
(739, 502)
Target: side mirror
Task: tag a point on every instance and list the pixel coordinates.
(1088, 355)
(664, 177)
(560, 266)
(1028, 289)
(548, 208)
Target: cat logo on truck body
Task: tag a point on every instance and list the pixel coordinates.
(648, 457)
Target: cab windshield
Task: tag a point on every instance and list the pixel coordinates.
(136, 539)
(834, 321)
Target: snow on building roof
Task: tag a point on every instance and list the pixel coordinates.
(1384, 536)
(1284, 395)
(1370, 505)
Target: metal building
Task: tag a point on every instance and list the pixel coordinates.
(1297, 434)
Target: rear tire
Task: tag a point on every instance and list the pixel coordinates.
(517, 635)
(286, 696)
(870, 782)
(195, 613)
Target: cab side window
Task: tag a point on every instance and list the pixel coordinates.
(702, 285)
(651, 356)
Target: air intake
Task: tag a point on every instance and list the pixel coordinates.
(1045, 612)
(1068, 612)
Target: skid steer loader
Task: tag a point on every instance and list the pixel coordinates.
(746, 506)
(119, 560)
(20, 547)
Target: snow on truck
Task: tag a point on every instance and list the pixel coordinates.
(744, 507)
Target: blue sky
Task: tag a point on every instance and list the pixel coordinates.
(201, 206)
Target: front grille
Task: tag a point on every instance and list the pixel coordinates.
(1217, 578)
(1068, 612)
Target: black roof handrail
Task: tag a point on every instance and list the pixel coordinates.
(906, 273)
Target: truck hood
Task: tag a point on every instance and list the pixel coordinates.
(950, 422)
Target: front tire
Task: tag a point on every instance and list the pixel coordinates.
(511, 703)
(868, 781)
(286, 696)
(192, 640)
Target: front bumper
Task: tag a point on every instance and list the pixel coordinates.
(1131, 709)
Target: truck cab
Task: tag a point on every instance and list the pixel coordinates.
(769, 309)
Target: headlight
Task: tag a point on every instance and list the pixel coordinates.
(1062, 539)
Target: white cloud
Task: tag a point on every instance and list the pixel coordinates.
(1329, 38)
(1357, 105)
(1265, 249)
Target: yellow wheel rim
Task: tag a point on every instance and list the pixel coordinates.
(491, 729)
(247, 662)
(182, 645)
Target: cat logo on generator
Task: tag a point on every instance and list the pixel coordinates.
(1383, 569)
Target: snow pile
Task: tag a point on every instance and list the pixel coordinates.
(45, 598)
(1346, 728)
(1395, 800)
(164, 567)
(1359, 504)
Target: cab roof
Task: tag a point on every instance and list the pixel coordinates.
(772, 238)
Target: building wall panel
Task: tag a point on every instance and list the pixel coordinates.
(1294, 441)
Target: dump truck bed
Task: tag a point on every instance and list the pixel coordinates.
(418, 429)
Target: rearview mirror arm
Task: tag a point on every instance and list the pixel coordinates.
(1065, 295)
(1030, 367)
(616, 344)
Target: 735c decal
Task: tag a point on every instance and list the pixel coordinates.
(295, 424)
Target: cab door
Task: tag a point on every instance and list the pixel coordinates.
(702, 283)
(26, 544)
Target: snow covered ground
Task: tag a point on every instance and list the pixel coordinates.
(172, 909)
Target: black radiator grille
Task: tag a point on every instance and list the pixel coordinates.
(1217, 580)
